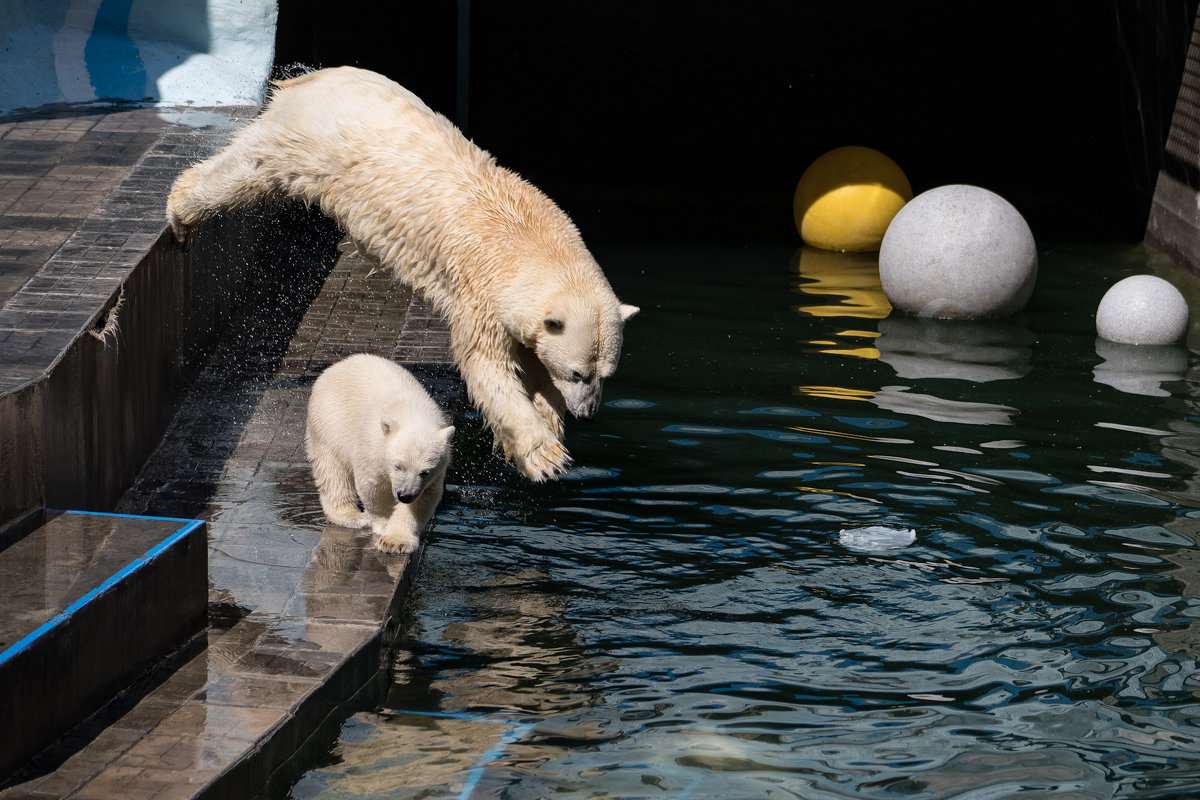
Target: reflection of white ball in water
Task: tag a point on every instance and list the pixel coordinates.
(1140, 369)
(1142, 309)
(958, 252)
(970, 351)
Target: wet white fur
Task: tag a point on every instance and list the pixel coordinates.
(375, 435)
(535, 326)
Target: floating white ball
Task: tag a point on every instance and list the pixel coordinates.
(1142, 309)
(958, 252)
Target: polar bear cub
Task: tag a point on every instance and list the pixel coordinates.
(375, 436)
(535, 327)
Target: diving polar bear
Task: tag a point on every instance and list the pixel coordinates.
(535, 328)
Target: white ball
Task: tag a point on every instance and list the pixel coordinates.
(958, 252)
(1142, 309)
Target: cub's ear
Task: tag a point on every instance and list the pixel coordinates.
(628, 311)
(446, 433)
(388, 424)
(554, 322)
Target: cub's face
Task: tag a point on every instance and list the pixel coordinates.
(414, 453)
(580, 345)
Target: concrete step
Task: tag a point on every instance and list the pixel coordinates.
(88, 603)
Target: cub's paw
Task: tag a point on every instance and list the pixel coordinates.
(544, 462)
(347, 518)
(397, 542)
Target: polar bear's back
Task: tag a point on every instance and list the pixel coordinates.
(397, 176)
(353, 115)
(344, 94)
(350, 398)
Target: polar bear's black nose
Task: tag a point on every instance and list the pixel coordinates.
(405, 498)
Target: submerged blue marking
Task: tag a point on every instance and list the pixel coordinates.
(476, 773)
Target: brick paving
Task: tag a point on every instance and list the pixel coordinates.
(81, 202)
(54, 172)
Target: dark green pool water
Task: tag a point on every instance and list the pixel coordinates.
(683, 616)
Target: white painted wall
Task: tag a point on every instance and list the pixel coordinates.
(174, 52)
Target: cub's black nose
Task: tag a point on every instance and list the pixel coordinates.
(405, 498)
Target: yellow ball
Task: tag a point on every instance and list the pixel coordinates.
(846, 199)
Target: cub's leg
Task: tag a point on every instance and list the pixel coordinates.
(400, 531)
(403, 530)
(377, 499)
(335, 484)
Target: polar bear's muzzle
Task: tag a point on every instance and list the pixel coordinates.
(582, 399)
(407, 487)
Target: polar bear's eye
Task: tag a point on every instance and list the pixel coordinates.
(553, 324)
(579, 377)
(424, 472)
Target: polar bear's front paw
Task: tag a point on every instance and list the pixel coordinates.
(550, 414)
(397, 542)
(182, 214)
(184, 235)
(545, 461)
(347, 518)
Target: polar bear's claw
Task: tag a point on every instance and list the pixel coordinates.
(545, 462)
(178, 201)
(183, 235)
(397, 543)
(185, 238)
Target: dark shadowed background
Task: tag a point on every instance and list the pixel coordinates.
(678, 121)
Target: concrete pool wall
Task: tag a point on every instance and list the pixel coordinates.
(1174, 223)
(79, 413)
(216, 52)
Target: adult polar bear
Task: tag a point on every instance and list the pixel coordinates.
(488, 250)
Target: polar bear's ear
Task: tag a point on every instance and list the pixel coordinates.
(446, 433)
(553, 322)
(628, 311)
(387, 424)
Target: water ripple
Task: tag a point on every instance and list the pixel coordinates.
(680, 618)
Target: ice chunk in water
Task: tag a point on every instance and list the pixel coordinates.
(876, 537)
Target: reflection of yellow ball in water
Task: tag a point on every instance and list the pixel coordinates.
(846, 199)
